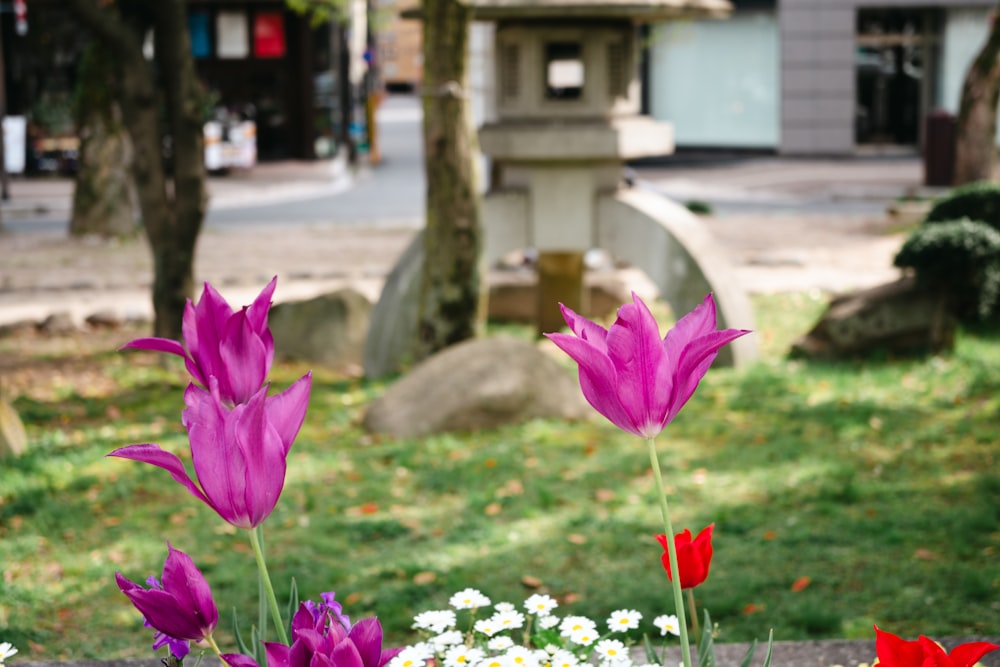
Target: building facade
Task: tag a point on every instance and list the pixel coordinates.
(814, 77)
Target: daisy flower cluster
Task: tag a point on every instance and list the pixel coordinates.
(6, 651)
(532, 636)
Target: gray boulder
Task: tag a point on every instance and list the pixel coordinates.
(13, 439)
(329, 329)
(895, 318)
(478, 384)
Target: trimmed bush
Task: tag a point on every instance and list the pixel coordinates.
(960, 258)
(975, 201)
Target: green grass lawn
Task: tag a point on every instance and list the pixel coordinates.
(843, 495)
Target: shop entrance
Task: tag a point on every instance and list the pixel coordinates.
(894, 75)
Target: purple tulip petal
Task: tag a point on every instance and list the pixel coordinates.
(598, 380)
(696, 360)
(586, 330)
(277, 654)
(644, 380)
(366, 634)
(286, 411)
(220, 467)
(244, 358)
(183, 580)
(346, 654)
(256, 312)
(239, 660)
(153, 455)
(388, 654)
(155, 345)
(263, 454)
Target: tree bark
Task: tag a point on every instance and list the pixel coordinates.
(976, 126)
(103, 204)
(173, 206)
(451, 302)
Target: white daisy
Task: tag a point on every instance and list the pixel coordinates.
(540, 604)
(564, 658)
(494, 661)
(462, 656)
(6, 650)
(611, 650)
(667, 623)
(624, 619)
(436, 621)
(412, 656)
(446, 639)
(487, 626)
(520, 656)
(504, 606)
(499, 643)
(469, 598)
(509, 620)
(572, 624)
(583, 637)
(546, 622)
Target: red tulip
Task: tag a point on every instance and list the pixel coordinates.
(893, 651)
(693, 556)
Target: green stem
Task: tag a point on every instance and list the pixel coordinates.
(675, 575)
(272, 601)
(215, 647)
(694, 615)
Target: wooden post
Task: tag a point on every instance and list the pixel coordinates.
(560, 280)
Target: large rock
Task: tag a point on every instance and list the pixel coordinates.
(329, 329)
(895, 318)
(478, 384)
(13, 439)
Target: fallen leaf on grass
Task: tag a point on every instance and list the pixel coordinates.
(801, 584)
(424, 578)
(531, 582)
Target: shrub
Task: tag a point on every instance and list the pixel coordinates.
(959, 257)
(698, 207)
(975, 201)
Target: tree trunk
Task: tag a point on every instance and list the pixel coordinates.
(103, 202)
(976, 126)
(450, 298)
(173, 207)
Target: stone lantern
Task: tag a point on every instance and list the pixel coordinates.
(567, 116)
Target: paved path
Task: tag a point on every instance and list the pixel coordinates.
(787, 224)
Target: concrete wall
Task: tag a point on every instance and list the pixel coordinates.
(817, 70)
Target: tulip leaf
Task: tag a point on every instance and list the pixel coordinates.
(651, 656)
(748, 656)
(293, 604)
(770, 645)
(706, 648)
(240, 644)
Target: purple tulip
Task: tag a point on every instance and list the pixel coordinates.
(238, 453)
(235, 348)
(322, 639)
(181, 607)
(631, 376)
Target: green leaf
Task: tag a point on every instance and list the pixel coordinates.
(293, 604)
(770, 643)
(749, 654)
(706, 649)
(651, 656)
(240, 644)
